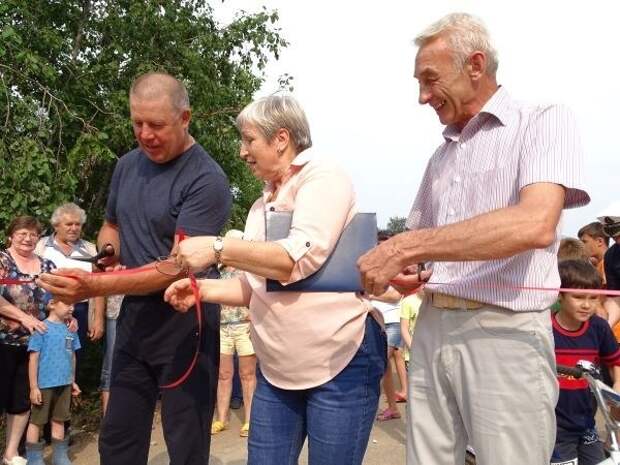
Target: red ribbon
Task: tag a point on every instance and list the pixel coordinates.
(196, 292)
(567, 290)
(12, 282)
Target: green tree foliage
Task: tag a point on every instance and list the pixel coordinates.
(396, 224)
(65, 70)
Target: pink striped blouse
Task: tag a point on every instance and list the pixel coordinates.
(505, 147)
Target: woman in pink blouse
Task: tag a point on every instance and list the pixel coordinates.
(321, 356)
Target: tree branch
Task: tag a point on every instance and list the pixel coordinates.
(78, 36)
(222, 111)
(48, 93)
(8, 103)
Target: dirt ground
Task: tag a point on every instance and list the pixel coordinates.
(386, 445)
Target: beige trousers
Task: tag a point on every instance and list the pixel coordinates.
(482, 377)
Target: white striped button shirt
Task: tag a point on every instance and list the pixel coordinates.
(505, 147)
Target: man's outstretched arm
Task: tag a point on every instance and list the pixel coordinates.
(72, 285)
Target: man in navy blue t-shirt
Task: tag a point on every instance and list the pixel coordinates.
(166, 185)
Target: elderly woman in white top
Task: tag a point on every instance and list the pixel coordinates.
(321, 356)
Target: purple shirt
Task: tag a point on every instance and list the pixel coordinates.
(505, 147)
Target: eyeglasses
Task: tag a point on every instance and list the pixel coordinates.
(168, 266)
(23, 235)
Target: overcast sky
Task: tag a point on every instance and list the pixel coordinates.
(352, 63)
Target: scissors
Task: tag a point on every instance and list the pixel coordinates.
(106, 251)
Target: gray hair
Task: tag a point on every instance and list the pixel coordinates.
(275, 112)
(466, 34)
(152, 85)
(70, 209)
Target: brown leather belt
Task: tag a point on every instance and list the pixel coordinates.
(450, 302)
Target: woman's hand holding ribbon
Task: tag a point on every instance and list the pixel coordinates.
(195, 253)
(180, 295)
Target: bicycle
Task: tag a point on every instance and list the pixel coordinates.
(606, 399)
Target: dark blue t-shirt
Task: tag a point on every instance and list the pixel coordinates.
(594, 342)
(149, 202)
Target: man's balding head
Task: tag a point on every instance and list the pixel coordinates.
(160, 116)
(154, 85)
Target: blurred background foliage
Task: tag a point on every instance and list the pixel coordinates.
(65, 70)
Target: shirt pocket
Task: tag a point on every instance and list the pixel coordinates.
(489, 186)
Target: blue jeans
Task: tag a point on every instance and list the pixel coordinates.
(106, 367)
(336, 416)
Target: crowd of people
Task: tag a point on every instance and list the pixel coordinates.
(479, 371)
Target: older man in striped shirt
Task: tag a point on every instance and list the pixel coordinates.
(486, 217)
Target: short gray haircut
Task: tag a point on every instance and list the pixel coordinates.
(269, 114)
(70, 209)
(466, 34)
(152, 85)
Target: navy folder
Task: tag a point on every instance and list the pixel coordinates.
(339, 273)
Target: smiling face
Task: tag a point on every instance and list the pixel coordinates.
(451, 92)
(24, 240)
(577, 308)
(160, 129)
(267, 159)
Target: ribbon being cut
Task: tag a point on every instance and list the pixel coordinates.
(164, 265)
(168, 266)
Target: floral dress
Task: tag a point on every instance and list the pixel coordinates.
(233, 315)
(28, 297)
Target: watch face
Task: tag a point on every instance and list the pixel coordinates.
(218, 245)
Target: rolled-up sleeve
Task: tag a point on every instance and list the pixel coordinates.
(323, 206)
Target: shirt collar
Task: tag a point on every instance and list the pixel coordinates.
(499, 107)
(303, 157)
(79, 246)
(300, 160)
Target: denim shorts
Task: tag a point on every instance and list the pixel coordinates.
(392, 330)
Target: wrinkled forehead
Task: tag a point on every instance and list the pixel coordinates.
(433, 57)
(161, 104)
(249, 129)
(68, 218)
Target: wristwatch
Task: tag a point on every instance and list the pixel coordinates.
(218, 247)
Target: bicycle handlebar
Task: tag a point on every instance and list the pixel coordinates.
(575, 372)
